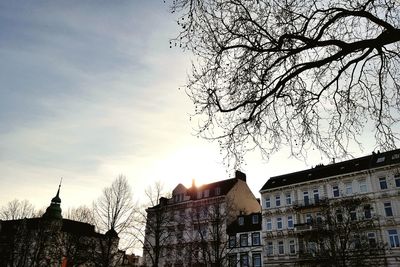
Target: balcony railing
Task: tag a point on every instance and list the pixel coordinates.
(314, 225)
(302, 226)
(309, 202)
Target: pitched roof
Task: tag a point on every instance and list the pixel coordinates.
(372, 161)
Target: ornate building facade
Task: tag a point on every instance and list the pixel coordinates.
(347, 212)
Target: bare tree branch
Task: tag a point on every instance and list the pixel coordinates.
(306, 75)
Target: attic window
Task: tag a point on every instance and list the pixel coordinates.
(356, 164)
(206, 193)
(396, 156)
(255, 219)
(284, 179)
(342, 168)
(272, 182)
(241, 220)
(380, 160)
(217, 191)
(309, 175)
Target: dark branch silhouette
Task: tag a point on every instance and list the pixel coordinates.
(312, 74)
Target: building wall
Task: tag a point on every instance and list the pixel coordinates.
(243, 199)
(198, 217)
(281, 239)
(244, 241)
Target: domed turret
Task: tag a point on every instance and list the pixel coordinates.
(54, 210)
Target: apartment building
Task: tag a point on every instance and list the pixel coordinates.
(244, 241)
(347, 211)
(189, 229)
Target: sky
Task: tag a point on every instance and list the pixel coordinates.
(89, 91)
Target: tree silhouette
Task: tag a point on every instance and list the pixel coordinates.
(113, 215)
(152, 221)
(341, 235)
(307, 74)
(17, 209)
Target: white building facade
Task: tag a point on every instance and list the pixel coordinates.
(361, 195)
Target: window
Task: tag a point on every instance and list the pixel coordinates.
(316, 195)
(256, 260)
(335, 191)
(267, 202)
(339, 216)
(290, 222)
(255, 219)
(356, 241)
(203, 231)
(244, 260)
(292, 247)
(232, 260)
(218, 192)
(241, 220)
(277, 201)
(353, 214)
(383, 183)
(319, 218)
(281, 248)
(371, 239)
(244, 240)
(232, 241)
(255, 239)
(367, 212)
(199, 195)
(306, 198)
(312, 247)
(394, 238)
(288, 199)
(269, 225)
(279, 225)
(308, 218)
(206, 193)
(349, 188)
(380, 160)
(363, 186)
(397, 180)
(388, 209)
(270, 248)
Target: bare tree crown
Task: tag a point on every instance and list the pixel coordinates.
(307, 74)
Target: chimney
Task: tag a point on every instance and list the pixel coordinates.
(240, 175)
(193, 183)
(163, 201)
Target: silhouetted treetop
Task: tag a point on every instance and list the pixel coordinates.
(307, 74)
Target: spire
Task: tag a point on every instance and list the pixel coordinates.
(57, 199)
(54, 210)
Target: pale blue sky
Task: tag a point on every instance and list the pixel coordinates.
(89, 90)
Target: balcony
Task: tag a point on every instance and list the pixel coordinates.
(301, 228)
(309, 203)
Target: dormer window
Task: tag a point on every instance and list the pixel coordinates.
(380, 160)
(255, 219)
(217, 191)
(179, 197)
(199, 194)
(206, 193)
(241, 220)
